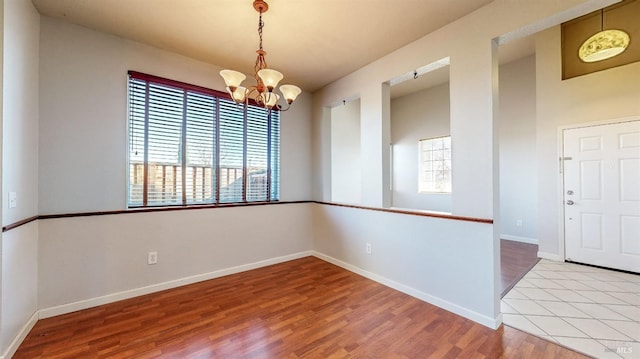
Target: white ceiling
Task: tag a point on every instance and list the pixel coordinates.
(313, 42)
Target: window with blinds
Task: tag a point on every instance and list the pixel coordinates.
(191, 145)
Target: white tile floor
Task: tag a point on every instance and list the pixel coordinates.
(591, 310)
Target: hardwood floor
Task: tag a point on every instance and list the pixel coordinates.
(305, 308)
(516, 260)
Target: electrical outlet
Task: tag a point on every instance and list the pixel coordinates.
(519, 223)
(368, 248)
(152, 257)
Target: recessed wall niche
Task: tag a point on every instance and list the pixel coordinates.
(346, 169)
(420, 110)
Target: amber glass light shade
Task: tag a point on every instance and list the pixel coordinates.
(604, 45)
(239, 94)
(290, 92)
(270, 78)
(232, 78)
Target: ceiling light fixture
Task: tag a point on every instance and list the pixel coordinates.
(266, 79)
(604, 44)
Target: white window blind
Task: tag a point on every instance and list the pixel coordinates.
(231, 152)
(201, 144)
(191, 145)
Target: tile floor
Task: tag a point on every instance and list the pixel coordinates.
(591, 310)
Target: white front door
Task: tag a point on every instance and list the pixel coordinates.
(602, 195)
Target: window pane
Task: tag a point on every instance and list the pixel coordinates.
(200, 175)
(231, 151)
(275, 155)
(164, 146)
(257, 138)
(435, 165)
(165, 184)
(137, 90)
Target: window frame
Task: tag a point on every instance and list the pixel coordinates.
(421, 164)
(272, 153)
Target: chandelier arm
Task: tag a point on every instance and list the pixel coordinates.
(282, 109)
(258, 94)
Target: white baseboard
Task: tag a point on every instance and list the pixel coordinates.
(114, 297)
(550, 256)
(519, 239)
(15, 343)
(492, 323)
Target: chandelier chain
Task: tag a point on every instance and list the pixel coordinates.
(260, 26)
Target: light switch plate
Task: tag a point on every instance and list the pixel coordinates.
(13, 200)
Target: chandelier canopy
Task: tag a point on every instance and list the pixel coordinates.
(266, 79)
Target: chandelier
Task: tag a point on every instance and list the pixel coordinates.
(266, 79)
(603, 45)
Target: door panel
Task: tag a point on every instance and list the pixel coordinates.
(591, 231)
(630, 227)
(602, 195)
(630, 179)
(591, 180)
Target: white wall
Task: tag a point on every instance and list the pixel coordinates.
(295, 151)
(19, 168)
(83, 90)
(19, 281)
(84, 258)
(417, 116)
(20, 111)
(599, 96)
(437, 260)
(518, 170)
(346, 169)
(375, 140)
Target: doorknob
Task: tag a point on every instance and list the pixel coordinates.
(570, 202)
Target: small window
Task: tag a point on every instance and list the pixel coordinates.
(435, 165)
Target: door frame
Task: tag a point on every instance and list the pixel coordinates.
(560, 173)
